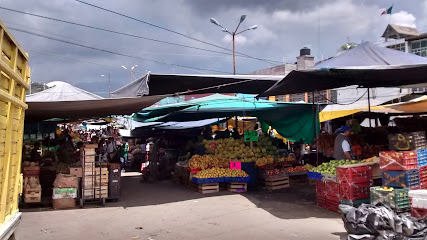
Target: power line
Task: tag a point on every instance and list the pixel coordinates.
(120, 33)
(175, 32)
(118, 53)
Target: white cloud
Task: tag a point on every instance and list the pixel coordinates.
(403, 18)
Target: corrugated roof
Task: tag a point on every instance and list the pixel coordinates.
(61, 91)
(399, 31)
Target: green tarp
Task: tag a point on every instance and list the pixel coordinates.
(294, 121)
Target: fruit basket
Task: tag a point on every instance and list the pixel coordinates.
(207, 180)
(397, 199)
(398, 161)
(402, 179)
(314, 175)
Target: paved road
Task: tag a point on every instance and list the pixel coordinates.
(169, 211)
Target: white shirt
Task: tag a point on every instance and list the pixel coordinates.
(345, 146)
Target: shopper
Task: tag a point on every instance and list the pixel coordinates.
(296, 155)
(342, 147)
(35, 155)
(111, 149)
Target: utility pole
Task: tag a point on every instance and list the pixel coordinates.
(109, 84)
(130, 71)
(233, 34)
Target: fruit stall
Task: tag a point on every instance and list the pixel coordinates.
(402, 170)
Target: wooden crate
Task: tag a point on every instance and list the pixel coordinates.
(33, 196)
(277, 182)
(238, 187)
(208, 188)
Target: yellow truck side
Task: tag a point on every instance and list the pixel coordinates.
(14, 81)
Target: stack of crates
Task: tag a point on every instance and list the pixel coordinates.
(418, 199)
(355, 183)
(320, 193)
(114, 181)
(332, 195)
(400, 169)
(422, 164)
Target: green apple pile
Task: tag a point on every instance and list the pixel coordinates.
(329, 168)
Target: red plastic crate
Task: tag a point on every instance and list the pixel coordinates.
(320, 186)
(332, 203)
(332, 189)
(419, 213)
(354, 174)
(321, 202)
(398, 161)
(355, 191)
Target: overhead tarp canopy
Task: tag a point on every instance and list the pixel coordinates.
(61, 91)
(294, 121)
(366, 66)
(415, 106)
(85, 109)
(159, 84)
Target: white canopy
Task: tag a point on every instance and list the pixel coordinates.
(61, 91)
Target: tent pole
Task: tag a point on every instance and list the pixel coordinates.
(369, 106)
(314, 127)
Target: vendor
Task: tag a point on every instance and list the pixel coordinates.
(296, 155)
(35, 155)
(342, 148)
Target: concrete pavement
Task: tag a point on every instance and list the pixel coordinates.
(170, 211)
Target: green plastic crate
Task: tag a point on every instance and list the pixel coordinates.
(398, 199)
(356, 203)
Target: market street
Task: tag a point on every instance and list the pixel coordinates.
(171, 211)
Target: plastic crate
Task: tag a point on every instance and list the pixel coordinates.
(207, 180)
(314, 175)
(332, 189)
(354, 174)
(407, 141)
(403, 179)
(332, 203)
(397, 199)
(356, 203)
(398, 161)
(418, 198)
(422, 157)
(320, 187)
(354, 191)
(420, 213)
(236, 179)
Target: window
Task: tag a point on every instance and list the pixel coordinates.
(399, 47)
(419, 48)
(297, 97)
(419, 90)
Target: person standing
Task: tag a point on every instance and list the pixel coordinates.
(342, 147)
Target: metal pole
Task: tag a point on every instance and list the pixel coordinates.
(130, 75)
(234, 55)
(109, 86)
(369, 106)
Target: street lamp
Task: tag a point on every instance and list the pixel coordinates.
(109, 85)
(130, 70)
(233, 34)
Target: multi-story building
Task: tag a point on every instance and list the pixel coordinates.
(406, 39)
(304, 61)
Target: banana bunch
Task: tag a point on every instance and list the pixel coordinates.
(220, 172)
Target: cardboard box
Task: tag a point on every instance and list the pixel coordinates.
(76, 171)
(59, 193)
(64, 203)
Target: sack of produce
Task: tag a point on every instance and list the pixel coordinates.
(65, 181)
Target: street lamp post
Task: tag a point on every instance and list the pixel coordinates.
(109, 85)
(130, 70)
(234, 34)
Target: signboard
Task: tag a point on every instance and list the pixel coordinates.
(235, 165)
(251, 136)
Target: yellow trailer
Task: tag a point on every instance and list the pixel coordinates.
(14, 81)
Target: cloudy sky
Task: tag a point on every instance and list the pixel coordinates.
(284, 26)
